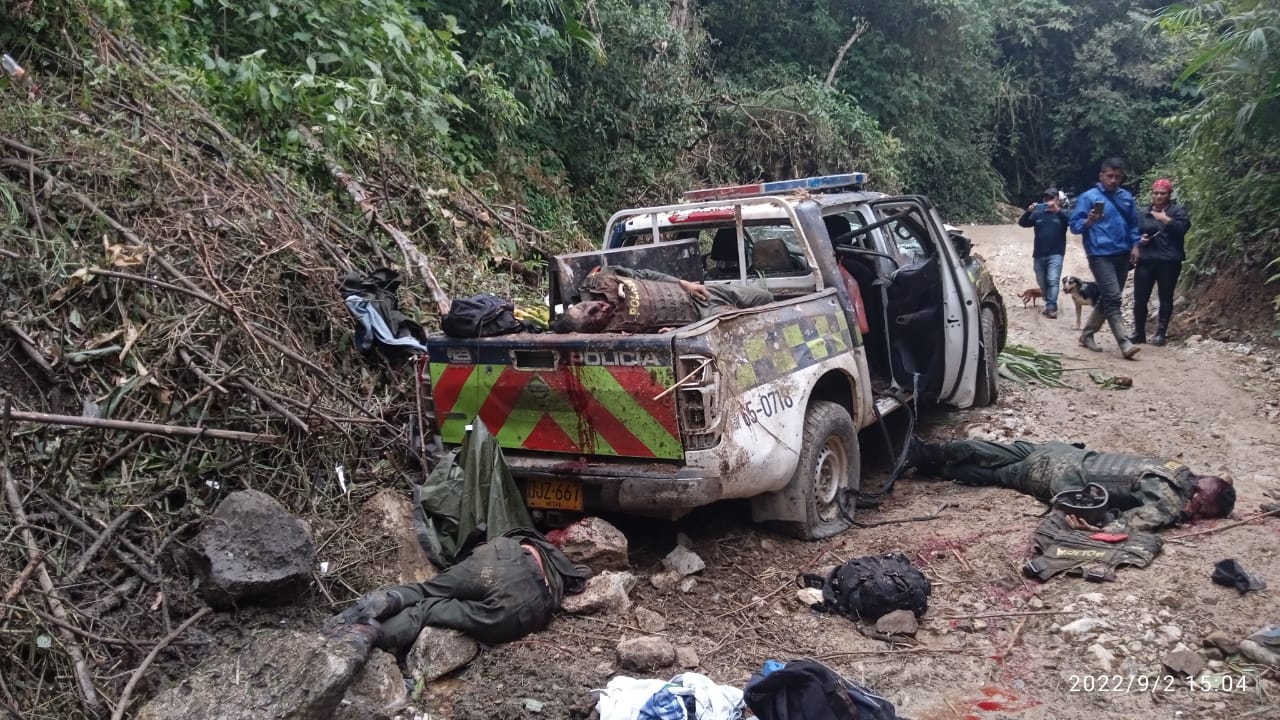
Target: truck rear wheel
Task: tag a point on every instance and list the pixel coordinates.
(988, 384)
(830, 466)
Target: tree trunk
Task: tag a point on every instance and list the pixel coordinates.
(680, 15)
(860, 27)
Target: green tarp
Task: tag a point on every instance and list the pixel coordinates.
(467, 499)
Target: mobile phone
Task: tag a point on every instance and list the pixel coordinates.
(1098, 207)
(1042, 206)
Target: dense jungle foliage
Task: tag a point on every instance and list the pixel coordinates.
(569, 108)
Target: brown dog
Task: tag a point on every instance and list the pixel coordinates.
(1031, 295)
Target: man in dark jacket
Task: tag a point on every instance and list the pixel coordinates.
(1164, 225)
(1050, 239)
(507, 588)
(619, 299)
(1147, 493)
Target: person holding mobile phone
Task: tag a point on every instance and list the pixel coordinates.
(1164, 225)
(1106, 216)
(1050, 238)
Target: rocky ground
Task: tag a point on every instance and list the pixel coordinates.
(993, 645)
(715, 594)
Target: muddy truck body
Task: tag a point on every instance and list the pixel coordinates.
(876, 305)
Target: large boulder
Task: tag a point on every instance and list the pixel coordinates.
(392, 518)
(378, 691)
(594, 543)
(252, 549)
(279, 675)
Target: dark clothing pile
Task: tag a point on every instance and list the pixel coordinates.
(1050, 237)
(809, 690)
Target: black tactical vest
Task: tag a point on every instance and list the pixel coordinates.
(640, 306)
(1120, 475)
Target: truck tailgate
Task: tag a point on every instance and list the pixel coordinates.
(561, 394)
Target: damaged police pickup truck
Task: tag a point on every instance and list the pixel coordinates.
(875, 305)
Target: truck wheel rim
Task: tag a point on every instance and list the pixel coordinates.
(831, 468)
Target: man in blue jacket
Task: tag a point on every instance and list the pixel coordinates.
(1050, 239)
(1107, 216)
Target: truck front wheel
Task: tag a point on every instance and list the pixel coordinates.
(830, 466)
(988, 387)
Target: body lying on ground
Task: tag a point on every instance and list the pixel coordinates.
(505, 589)
(1144, 493)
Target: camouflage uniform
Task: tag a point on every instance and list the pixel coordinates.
(1147, 492)
(647, 300)
(497, 594)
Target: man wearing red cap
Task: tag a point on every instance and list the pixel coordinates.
(1163, 225)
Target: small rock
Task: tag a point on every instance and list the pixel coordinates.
(686, 657)
(1184, 663)
(809, 596)
(684, 541)
(532, 705)
(645, 653)
(606, 593)
(1213, 653)
(650, 621)
(687, 585)
(1222, 641)
(665, 581)
(979, 625)
(1130, 599)
(1216, 664)
(1135, 647)
(437, 652)
(898, 622)
(683, 561)
(1095, 598)
(1171, 633)
(1104, 656)
(1035, 602)
(1078, 629)
(768, 545)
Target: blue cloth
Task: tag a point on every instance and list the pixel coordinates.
(663, 705)
(1116, 232)
(1048, 275)
(770, 666)
(1050, 234)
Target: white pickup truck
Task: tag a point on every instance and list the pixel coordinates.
(876, 305)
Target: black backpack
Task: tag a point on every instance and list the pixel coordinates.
(480, 316)
(867, 587)
(809, 690)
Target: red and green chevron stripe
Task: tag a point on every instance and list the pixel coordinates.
(577, 409)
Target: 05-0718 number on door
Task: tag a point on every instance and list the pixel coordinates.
(765, 405)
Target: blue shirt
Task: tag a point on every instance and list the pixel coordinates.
(1116, 232)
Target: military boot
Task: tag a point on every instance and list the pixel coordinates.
(923, 455)
(1091, 326)
(1127, 349)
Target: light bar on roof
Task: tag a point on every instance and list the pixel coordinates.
(820, 182)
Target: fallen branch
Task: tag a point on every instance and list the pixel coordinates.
(915, 518)
(15, 587)
(996, 615)
(146, 662)
(52, 596)
(1228, 526)
(29, 347)
(161, 284)
(413, 256)
(142, 427)
(87, 557)
(1008, 648)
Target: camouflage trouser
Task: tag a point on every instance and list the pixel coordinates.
(731, 297)
(496, 595)
(1037, 469)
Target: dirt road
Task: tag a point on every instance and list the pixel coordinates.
(991, 646)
